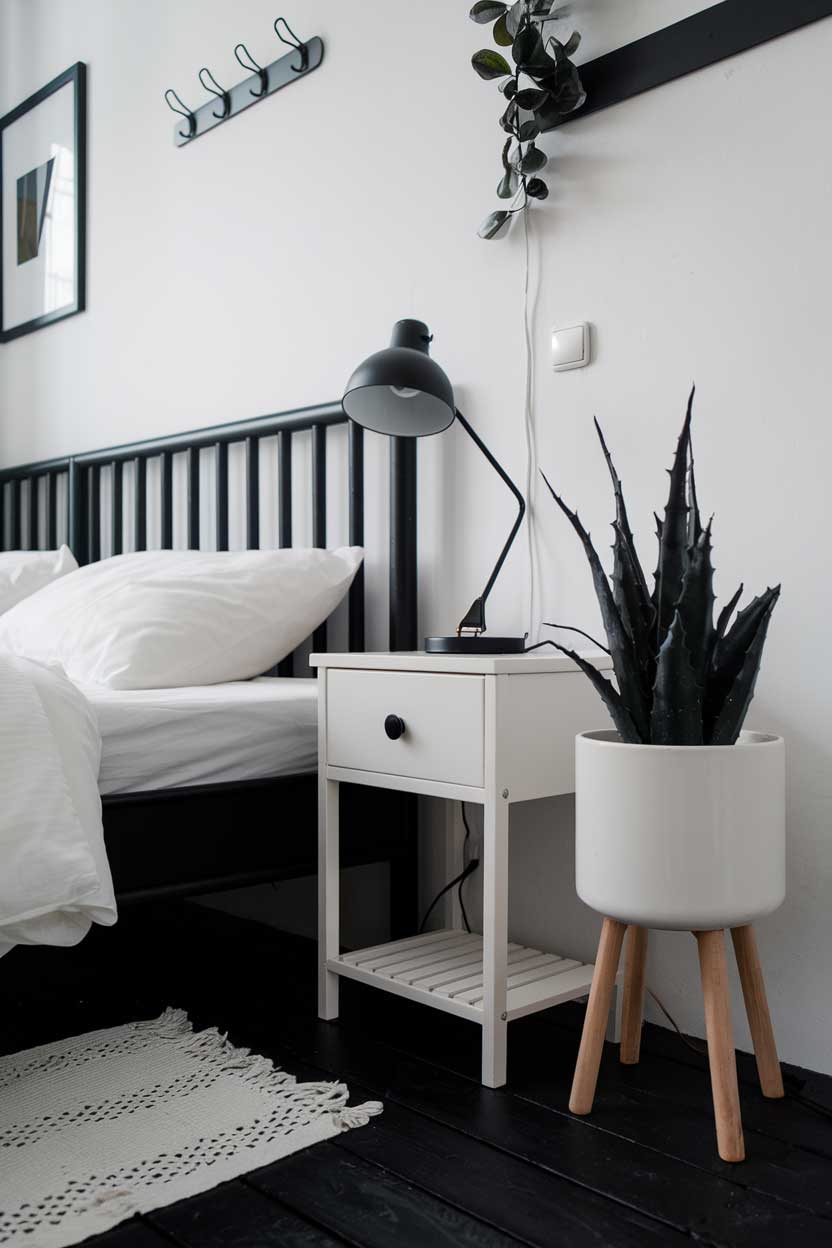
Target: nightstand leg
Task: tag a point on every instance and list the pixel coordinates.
(494, 940)
(329, 881)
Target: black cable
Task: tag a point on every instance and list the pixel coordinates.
(463, 875)
(461, 882)
(457, 881)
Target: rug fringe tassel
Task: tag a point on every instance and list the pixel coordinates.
(324, 1096)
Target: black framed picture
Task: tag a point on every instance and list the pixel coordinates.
(43, 181)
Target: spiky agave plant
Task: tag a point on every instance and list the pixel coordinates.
(682, 679)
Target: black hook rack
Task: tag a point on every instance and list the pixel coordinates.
(262, 81)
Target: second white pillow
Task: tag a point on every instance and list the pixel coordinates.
(164, 618)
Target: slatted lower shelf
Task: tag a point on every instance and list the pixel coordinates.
(444, 969)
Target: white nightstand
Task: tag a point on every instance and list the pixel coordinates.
(491, 730)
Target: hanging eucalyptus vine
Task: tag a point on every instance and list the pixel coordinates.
(543, 87)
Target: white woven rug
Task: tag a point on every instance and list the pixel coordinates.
(99, 1127)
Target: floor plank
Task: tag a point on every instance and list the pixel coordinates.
(369, 1207)
(133, 1234)
(522, 1200)
(236, 1215)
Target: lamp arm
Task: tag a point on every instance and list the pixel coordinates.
(474, 618)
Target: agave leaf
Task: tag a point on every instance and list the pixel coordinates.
(626, 666)
(676, 718)
(694, 518)
(612, 699)
(725, 615)
(729, 721)
(729, 654)
(629, 585)
(696, 605)
(673, 533)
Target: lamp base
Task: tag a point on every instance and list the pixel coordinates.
(475, 645)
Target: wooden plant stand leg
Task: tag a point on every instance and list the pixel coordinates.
(721, 1057)
(756, 1007)
(632, 1010)
(595, 1023)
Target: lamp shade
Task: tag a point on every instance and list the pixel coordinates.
(401, 391)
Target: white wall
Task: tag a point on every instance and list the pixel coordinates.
(249, 273)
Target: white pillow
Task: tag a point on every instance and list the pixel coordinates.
(164, 618)
(23, 572)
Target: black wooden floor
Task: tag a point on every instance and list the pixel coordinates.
(448, 1162)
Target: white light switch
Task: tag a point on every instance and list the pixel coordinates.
(570, 347)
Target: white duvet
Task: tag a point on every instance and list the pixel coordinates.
(54, 876)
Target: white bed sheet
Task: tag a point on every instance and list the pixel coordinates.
(171, 738)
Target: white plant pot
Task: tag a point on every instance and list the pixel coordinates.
(681, 837)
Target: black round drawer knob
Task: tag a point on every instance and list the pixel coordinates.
(394, 727)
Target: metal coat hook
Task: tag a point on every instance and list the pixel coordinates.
(183, 111)
(260, 81)
(252, 66)
(292, 42)
(214, 87)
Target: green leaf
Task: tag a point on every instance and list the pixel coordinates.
(532, 98)
(509, 118)
(532, 160)
(569, 93)
(537, 188)
(494, 224)
(514, 17)
(528, 131)
(572, 44)
(490, 64)
(509, 88)
(527, 49)
(485, 11)
(500, 32)
(507, 187)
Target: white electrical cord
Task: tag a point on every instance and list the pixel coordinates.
(531, 440)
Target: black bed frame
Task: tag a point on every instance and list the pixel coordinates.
(180, 842)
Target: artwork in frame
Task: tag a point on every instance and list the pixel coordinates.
(43, 172)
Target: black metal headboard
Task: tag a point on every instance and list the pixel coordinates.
(32, 490)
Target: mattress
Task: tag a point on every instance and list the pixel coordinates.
(171, 738)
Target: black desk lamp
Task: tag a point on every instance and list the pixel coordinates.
(403, 393)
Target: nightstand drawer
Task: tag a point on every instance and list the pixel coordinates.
(439, 717)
